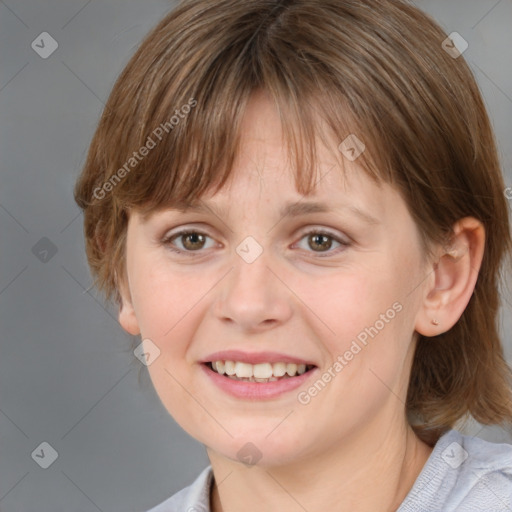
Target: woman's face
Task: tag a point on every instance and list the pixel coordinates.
(338, 290)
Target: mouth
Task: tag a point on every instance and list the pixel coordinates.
(260, 381)
(259, 373)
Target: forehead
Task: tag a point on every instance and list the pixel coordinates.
(265, 158)
(264, 172)
(271, 192)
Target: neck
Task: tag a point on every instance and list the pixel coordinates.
(365, 472)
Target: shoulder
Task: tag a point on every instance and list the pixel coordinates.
(463, 474)
(195, 497)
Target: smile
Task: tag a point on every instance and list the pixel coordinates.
(260, 381)
(261, 372)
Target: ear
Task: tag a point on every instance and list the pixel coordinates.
(127, 317)
(453, 278)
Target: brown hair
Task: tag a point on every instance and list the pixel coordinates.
(374, 68)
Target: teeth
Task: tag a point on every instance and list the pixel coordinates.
(291, 369)
(243, 370)
(261, 372)
(279, 369)
(229, 368)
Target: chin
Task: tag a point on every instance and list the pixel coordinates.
(258, 447)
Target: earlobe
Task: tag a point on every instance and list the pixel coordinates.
(127, 317)
(453, 280)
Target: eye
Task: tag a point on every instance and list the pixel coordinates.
(192, 241)
(321, 241)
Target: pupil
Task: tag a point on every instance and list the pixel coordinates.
(194, 237)
(315, 239)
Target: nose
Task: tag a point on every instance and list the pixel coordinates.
(253, 296)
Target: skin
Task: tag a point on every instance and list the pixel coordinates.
(350, 447)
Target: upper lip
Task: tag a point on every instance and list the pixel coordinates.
(254, 357)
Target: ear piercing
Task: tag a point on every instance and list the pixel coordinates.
(435, 321)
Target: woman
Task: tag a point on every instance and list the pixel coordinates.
(299, 208)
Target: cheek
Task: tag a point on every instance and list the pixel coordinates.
(162, 299)
(369, 324)
(166, 304)
(353, 303)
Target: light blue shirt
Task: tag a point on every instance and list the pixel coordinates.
(462, 474)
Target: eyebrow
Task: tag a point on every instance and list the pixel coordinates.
(292, 209)
(304, 208)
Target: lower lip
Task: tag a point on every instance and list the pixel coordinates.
(256, 390)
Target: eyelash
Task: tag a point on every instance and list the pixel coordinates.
(168, 239)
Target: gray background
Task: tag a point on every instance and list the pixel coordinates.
(67, 373)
